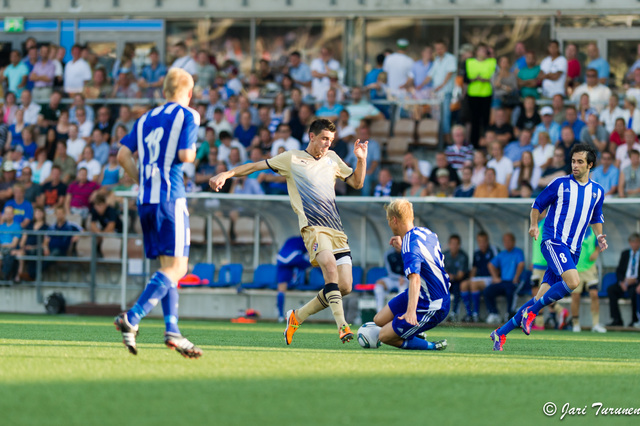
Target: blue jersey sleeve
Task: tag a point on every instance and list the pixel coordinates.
(412, 262)
(189, 133)
(496, 261)
(598, 216)
(131, 139)
(547, 196)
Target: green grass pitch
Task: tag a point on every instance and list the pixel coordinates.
(67, 370)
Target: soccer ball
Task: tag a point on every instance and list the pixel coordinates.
(368, 335)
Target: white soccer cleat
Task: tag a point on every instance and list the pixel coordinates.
(597, 328)
(576, 328)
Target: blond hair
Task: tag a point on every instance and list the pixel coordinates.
(176, 83)
(401, 209)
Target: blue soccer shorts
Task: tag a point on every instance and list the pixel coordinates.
(559, 260)
(165, 228)
(427, 318)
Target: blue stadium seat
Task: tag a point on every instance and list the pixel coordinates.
(607, 281)
(265, 276)
(375, 273)
(205, 271)
(357, 272)
(316, 280)
(230, 275)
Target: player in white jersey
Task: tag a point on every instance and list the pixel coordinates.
(164, 138)
(311, 176)
(574, 203)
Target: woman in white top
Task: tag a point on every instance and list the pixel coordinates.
(543, 153)
(609, 114)
(479, 167)
(527, 171)
(40, 167)
(632, 114)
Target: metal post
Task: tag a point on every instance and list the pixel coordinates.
(256, 241)
(456, 36)
(93, 268)
(363, 242)
(527, 246)
(472, 232)
(252, 43)
(209, 239)
(125, 255)
(39, 296)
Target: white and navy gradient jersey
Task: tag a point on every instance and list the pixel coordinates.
(572, 208)
(421, 254)
(158, 136)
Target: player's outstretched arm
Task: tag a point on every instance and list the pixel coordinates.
(125, 158)
(533, 227)
(360, 150)
(217, 182)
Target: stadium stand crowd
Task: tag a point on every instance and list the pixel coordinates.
(505, 125)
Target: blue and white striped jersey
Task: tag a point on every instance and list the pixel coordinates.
(158, 136)
(572, 208)
(421, 254)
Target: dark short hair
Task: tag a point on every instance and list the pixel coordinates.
(482, 234)
(634, 236)
(322, 124)
(634, 151)
(585, 147)
(455, 237)
(554, 41)
(295, 53)
(225, 135)
(280, 125)
(380, 59)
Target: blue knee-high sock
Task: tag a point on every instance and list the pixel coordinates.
(466, 299)
(515, 321)
(155, 290)
(555, 293)
(280, 302)
(170, 309)
(475, 297)
(417, 343)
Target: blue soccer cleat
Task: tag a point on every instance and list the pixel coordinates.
(527, 321)
(498, 340)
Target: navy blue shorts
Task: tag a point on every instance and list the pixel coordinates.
(559, 260)
(165, 227)
(427, 318)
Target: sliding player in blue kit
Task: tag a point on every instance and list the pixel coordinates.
(164, 138)
(425, 304)
(574, 203)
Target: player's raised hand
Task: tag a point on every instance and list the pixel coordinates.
(410, 317)
(534, 232)
(217, 182)
(360, 149)
(396, 243)
(602, 242)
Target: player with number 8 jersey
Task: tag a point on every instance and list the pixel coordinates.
(164, 138)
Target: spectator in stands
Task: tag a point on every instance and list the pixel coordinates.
(14, 137)
(234, 159)
(478, 73)
(90, 164)
(104, 220)
(466, 188)
(456, 264)
(595, 135)
(343, 125)
(330, 109)
(184, 60)
(59, 245)
(124, 62)
(42, 75)
(557, 103)
(10, 232)
(40, 167)
(398, 65)
(442, 76)
(32, 190)
(501, 127)
(631, 114)
(622, 152)
(572, 121)
(15, 74)
(100, 146)
(505, 86)
(299, 71)
(66, 164)
(245, 105)
(79, 194)
(596, 62)
(7, 182)
(599, 94)
(557, 168)
(412, 166)
(627, 275)
(28, 246)
(30, 60)
(285, 140)
(98, 87)
(444, 187)
(489, 188)
(16, 155)
(372, 76)
(111, 172)
(214, 103)
(31, 109)
(62, 128)
(573, 67)
(566, 143)
(79, 103)
(525, 174)
(514, 150)
(50, 113)
(479, 277)
(611, 113)
(502, 165)
(443, 163)
(152, 75)
(245, 131)
(300, 123)
(57, 54)
(617, 136)
(320, 68)
(205, 71)
(386, 187)
(415, 186)
(265, 75)
(29, 144)
(75, 144)
(226, 144)
(373, 158)
(606, 174)
(264, 141)
(360, 109)
(528, 81)
(584, 108)
(459, 153)
(124, 118)
(528, 117)
(9, 108)
(543, 152)
(206, 169)
(125, 86)
(553, 71)
(85, 126)
(419, 82)
(4, 130)
(505, 269)
(634, 90)
(76, 72)
(104, 123)
(22, 209)
(630, 177)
